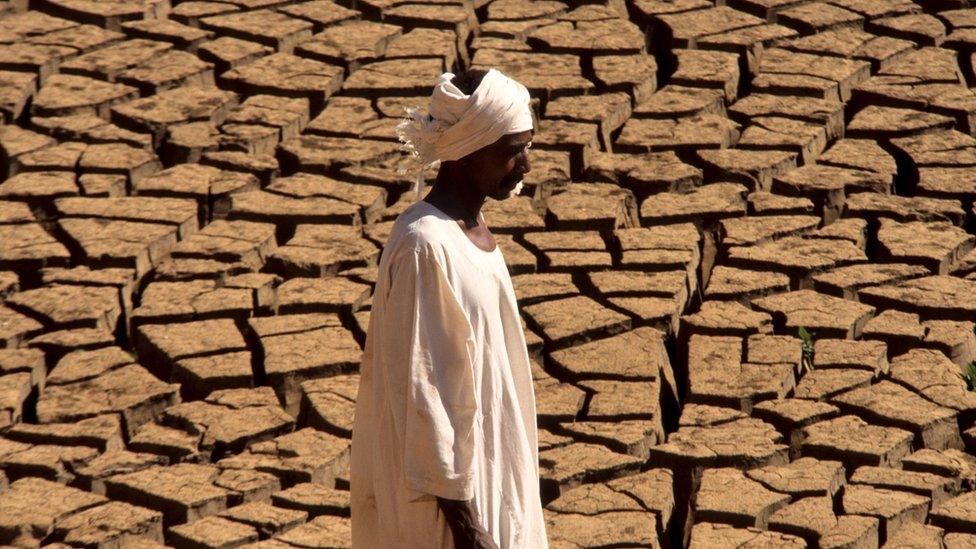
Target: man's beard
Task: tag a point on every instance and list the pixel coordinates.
(516, 190)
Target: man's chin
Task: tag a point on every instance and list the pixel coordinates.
(516, 190)
(508, 192)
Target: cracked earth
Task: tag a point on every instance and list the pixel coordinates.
(194, 196)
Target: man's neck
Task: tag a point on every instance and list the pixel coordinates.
(457, 200)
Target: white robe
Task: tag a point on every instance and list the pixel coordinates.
(445, 405)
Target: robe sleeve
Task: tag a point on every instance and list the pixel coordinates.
(441, 408)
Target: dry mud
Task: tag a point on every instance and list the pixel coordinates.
(194, 195)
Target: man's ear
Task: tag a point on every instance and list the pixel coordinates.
(470, 160)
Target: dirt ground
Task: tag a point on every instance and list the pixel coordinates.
(744, 258)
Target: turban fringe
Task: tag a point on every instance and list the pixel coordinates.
(459, 124)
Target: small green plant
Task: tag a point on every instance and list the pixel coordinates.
(806, 359)
(970, 376)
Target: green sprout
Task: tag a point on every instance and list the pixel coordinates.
(970, 376)
(807, 347)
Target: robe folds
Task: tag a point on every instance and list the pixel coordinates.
(445, 405)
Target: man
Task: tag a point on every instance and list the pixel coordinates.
(444, 450)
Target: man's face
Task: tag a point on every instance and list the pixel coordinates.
(499, 167)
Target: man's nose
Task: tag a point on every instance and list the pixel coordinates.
(526, 164)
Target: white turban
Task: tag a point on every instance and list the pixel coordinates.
(459, 124)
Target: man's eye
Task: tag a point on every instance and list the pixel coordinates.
(518, 150)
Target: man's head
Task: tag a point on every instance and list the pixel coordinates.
(496, 169)
(479, 127)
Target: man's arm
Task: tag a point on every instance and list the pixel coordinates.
(462, 520)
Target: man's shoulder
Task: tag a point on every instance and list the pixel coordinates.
(419, 227)
(420, 230)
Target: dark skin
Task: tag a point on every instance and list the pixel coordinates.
(462, 186)
(460, 191)
(462, 518)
